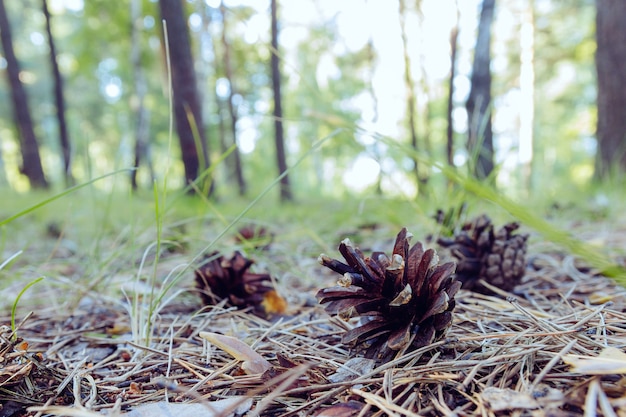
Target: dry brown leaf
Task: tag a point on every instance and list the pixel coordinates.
(507, 399)
(253, 363)
(349, 409)
(610, 361)
(220, 408)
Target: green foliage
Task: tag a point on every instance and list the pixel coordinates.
(565, 94)
(48, 200)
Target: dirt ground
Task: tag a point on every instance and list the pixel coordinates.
(546, 349)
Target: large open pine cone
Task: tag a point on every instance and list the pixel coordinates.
(496, 257)
(219, 278)
(405, 301)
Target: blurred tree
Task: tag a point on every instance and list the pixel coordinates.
(140, 111)
(186, 100)
(611, 73)
(480, 135)
(454, 37)
(370, 67)
(31, 161)
(329, 83)
(236, 157)
(565, 93)
(409, 84)
(281, 160)
(59, 100)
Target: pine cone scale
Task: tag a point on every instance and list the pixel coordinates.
(365, 332)
(438, 306)
(399, 338)
(334, 264)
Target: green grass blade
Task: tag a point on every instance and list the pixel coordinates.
(17, 300)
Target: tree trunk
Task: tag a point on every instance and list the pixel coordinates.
(371, 68)
(480, 135)
(611, 72)
(186, 100)
(31, 161)
(59, 100)
(285, 188)
(140, 111)
(454, 37)
(410, 90)
(527, 94)
(241, 183)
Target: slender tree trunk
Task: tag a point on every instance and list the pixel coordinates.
(425, 109)
(371, 66)
(285, 188)
(480, 135)
(59, 100)
(187, 106)
(236, 156)
(527, 94)
(222, 129)
(410, 90)
(3, 178)
(31, 161)
(454, 37)
(140, 111)
(611, 73)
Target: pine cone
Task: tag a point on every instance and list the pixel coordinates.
(497, 258)
(257, 237)
(219, 278)
(406, 301)
(450, 219)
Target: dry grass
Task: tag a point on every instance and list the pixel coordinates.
(502, 356)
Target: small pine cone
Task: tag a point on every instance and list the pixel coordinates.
(498, 258)
(405, 301)
(219, 278)
(257, 237)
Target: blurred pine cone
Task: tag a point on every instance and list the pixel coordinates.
(219, 278)
(257, 237)
(496, 257)
(450, 218)
(405, 301)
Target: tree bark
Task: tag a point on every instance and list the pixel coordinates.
(186, 100)
(236, 156)
(480, 135)
(31, 161)
(285, 188)
(59, 100)
(611, 73)
(140, 111)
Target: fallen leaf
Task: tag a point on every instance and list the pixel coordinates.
(352, 369)
(220, 408)
(253, 363)
(349, 409)
(609, 361)
(507, 399)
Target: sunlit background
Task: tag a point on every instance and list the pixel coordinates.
(543, 117)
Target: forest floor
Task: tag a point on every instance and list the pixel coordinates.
(546, 349)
